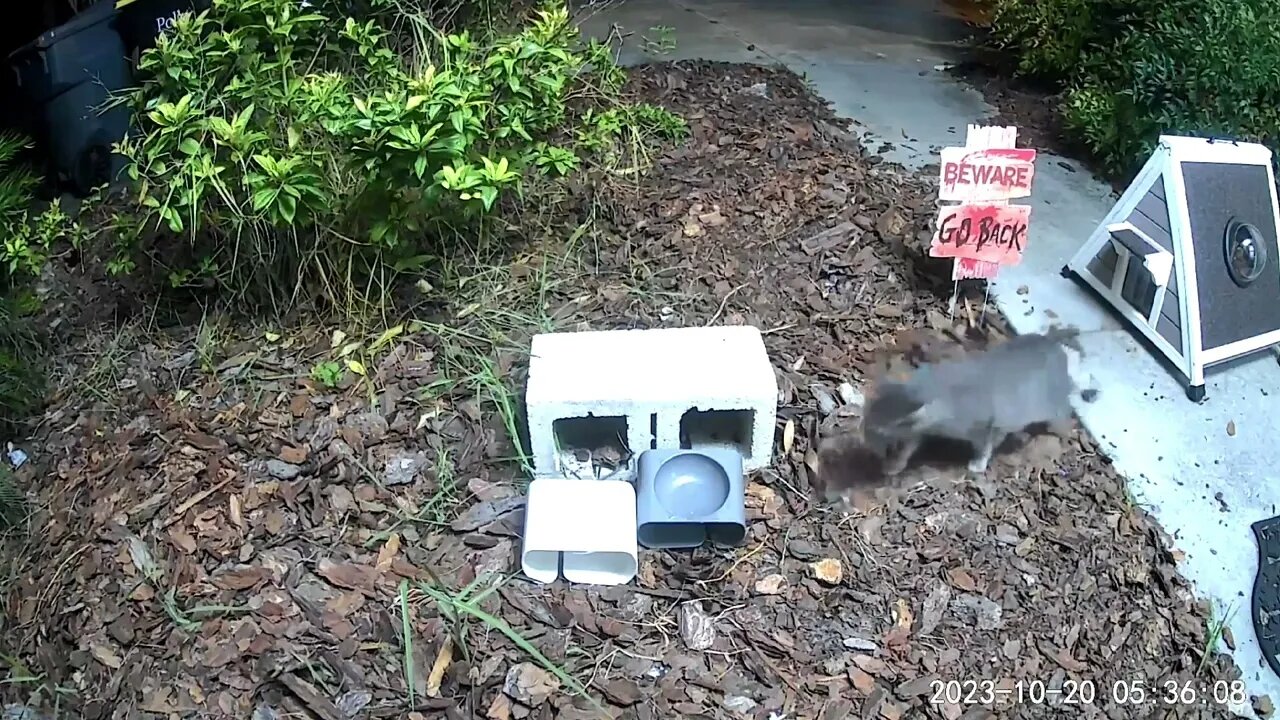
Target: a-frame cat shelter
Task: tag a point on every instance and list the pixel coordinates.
(1189, 254)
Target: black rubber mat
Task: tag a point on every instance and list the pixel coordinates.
(1266, 591)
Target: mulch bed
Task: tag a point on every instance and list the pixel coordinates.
(280, 507)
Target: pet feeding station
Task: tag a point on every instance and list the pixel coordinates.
(1189, 254)
(689, 411)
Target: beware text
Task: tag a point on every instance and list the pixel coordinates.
(970, 175)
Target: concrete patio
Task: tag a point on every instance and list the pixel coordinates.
(878, 63)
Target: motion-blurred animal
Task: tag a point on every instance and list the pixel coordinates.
(980, 397)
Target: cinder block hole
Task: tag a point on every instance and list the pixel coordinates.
(699, 428)
(591, 433)
(653, 431)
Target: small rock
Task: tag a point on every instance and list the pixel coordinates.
(293, 455)
(486, 491)
(1007, 534)
(978, 609)
(404, 469)
(1263, 707)
(826, 401)
(854, 642)
(739, 704)
(282, 470)
(20, 712)
(121, 630)
(935, 605)
(771, 584)
(261, 712)
(351, 703)
(803, 550)
(621, 691)
(371, 426)
(873, 665)
(697, 629)
(482, 514)
(891, 711)
(827, 570)
(851, 395)
(529, 684)
(914, 688)
(835, 665)
(862, 681)
(760, 89)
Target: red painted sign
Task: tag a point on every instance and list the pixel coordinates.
(974, 175)
(990, 233)
(965, 269)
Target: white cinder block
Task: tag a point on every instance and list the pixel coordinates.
(662, 388)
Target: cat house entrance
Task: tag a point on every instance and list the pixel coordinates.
(717, 428)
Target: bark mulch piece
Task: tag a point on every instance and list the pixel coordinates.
(248, 547)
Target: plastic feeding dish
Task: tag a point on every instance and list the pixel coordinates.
(687, 497)
(583, 530)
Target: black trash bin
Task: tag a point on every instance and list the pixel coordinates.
(142, 21)
(68, 74)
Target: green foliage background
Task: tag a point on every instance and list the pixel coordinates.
(1133, 69)
(293, 148)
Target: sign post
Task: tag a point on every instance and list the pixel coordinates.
(983, 231)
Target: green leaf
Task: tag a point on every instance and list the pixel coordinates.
(190, 147)
(266, 164)
(264, 198)
(386, 337)
(221, 128)
(288, 207)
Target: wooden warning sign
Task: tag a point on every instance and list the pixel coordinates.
(984, 231)
(970, 175)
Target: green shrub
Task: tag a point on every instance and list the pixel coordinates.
(22, 380)
(1133, 69)
(28, 239)
(26, 244)
(292, 148)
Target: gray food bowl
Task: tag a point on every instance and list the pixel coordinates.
(686, 497)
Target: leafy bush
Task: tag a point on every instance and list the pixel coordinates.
(27, 239)
(291, 148)
(22, 383)
(1134, 69)
(25, 246)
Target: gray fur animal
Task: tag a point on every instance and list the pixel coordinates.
(981, 398)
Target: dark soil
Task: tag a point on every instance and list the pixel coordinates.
(220, 535)
(1035, 109)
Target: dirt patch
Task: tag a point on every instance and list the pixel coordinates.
(231, 537)
(1035, 110)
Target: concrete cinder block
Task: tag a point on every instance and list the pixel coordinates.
(644, 389)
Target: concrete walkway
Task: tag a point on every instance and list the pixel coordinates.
(876, 61)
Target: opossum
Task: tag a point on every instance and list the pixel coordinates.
(981, 397)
